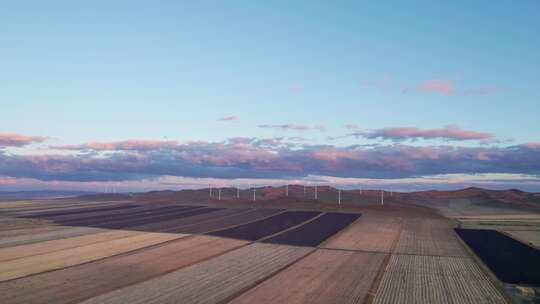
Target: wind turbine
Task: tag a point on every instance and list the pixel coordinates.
(339, 196)
(315, 191)
(382, 197)
(287, 190)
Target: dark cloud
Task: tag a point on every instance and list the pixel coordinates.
(450, 132)
(256, 158)
(229, 118)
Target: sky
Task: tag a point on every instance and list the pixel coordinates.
(140, 95)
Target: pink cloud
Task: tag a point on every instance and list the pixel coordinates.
(448, 88)
(437, 86)
(121, 145)
(450, 132)
(18, 140)
(246, 158)
(229, 118)
(295, 127)
(531, 145)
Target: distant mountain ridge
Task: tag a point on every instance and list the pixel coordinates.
(511, 198)
(43, 194)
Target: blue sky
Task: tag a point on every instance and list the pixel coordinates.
(102, 71)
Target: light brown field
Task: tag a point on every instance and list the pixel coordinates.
(26, 208)
(531, 237)
(27, 231)
(22, 251)
(30, 236)
(392, 254)
(54, 260)
(429, 237)
(325, 276)
(80, 282)
(12, 224)
(428, 279)
(367, 234)
(212, 281)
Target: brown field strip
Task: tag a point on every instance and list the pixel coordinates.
(81, 282)
(25, 231)
(212, 281)
(367, 234)
(101, 213)
(22, 251)
(429, 279)
(429, 237)
(531, 237)
(230, 221)
(12, 223)
(326, 276)
(36, 204)
(67, 206)
(174, 224)
(62, 232)
(59, 259)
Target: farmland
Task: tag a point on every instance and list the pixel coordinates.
(428, 279)
(509, 259)
(345, 278)
(76, 251)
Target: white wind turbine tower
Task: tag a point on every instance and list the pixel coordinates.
(339, 196)
(238, 192)
(382, 197)
(315, 191)
(287, 190)
(210, 187)
(219, 194)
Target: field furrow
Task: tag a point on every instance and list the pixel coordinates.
(81, 282)
(212, 281)
(429, 237)
(49, 261)
(531, 237)
(367, 234)
(62, 232)
(18, 252)
(316, 231)
(176, 225)
(429, 279)
(326, 276)
(228, 222)
(259, 229)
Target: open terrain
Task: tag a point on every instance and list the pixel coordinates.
(182, 248)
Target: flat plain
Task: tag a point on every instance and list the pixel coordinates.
(81, 251)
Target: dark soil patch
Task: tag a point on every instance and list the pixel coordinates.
(259, 229)
(316, 231)
(510, 260)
